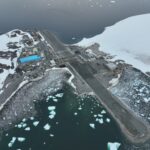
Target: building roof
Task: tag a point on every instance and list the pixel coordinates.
(30, 59)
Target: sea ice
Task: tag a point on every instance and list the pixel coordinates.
(75, 113)
(50, 108)
(92, 125)
(35, 123)
(10, 144)
(59, 95)
(27, 129)
(107, 120)
(47, 127)
(127, 40)
(51, 135)
(113, 146)
(103, 112)
(21, 139)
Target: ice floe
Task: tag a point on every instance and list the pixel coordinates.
(27, 129)
(21, 139)
(21, 125)
(50, 108)
(107, 120)
(10, 144)
(47, 127)
(103, 112)
(59, 95)
(75, 113)
(113, 146)
(52, 112)
(51, 135)
(35, 123)
(92, 125)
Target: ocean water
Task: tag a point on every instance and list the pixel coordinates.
(64, 121)
(70, 19)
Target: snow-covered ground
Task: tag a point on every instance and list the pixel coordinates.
(127, 40)
(17, 40)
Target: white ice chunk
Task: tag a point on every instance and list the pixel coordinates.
(47, 127)
(10, 144)
(27, 129)
(59, 95)
(50, 108)
(103, 112)
(21, 139)
(92, 125)
(35, 123)
(107, 120)
(51, 135)
(113, 146)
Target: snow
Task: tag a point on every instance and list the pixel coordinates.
(70, 80)
(113, 146)
(9, 98)
(4, 40)
(127, 40)
(114, 81)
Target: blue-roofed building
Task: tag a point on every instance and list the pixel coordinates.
(30, 59)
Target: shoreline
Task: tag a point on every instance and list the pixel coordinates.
(87, 74)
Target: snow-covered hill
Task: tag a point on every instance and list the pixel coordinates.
(11, 45)
(128, 40)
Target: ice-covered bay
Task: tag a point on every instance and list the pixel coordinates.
(127, 40)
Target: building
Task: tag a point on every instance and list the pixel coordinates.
(30, 59)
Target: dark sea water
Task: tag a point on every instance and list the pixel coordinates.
(69, 129)
(70, 19)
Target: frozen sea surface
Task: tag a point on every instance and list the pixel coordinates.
(127, 40)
